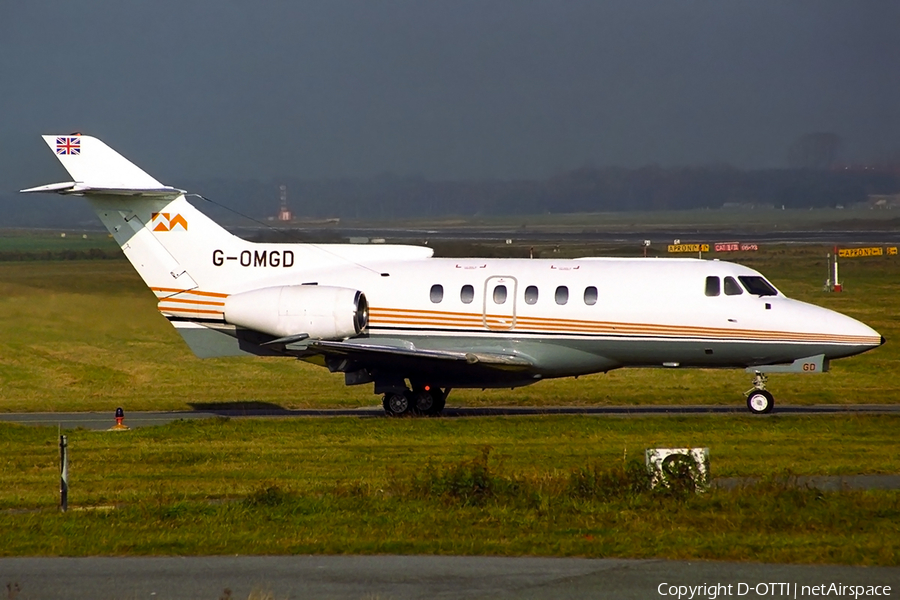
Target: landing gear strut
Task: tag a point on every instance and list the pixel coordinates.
(427, 401)
(759, 401)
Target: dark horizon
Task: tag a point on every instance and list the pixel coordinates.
(462, 90)
(583, 190)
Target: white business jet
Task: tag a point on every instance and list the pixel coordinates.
(417, 326)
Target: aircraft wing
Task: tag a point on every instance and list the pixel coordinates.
(380, 353)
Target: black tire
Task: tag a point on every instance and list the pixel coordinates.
(760, 402)
(421, 402)
(428, 403)
(396, 404)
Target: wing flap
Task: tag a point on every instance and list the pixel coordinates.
(360, 351)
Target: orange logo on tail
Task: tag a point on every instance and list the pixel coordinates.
(166, 223)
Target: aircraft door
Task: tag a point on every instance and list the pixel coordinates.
(500, 303)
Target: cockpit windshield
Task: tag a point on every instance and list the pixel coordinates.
(757, 285)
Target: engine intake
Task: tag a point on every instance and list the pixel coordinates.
(323, 312)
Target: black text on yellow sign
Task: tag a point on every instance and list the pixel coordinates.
(861, 252)
(688, 247)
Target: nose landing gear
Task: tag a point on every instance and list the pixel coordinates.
(759, 400)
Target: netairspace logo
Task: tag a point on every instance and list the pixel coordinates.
(779, 589)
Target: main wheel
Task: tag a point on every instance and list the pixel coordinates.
(422, 402)
(428, 402)
(396, 404)
(760, 402)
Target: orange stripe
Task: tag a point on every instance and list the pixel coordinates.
(195, 292)
(422, 312)
(434, 318)
(189, 310)
(722, 334)
(577, 324)
(204, 302)
(543, 323)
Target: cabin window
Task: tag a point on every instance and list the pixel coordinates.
(437, 293)
(712, 286)
(732, 288)
(562, 294)
(500, 294)
(590, 295)
(531, 294)
(757, 285)
(467, 294)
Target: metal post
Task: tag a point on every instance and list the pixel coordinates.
(63, 473)
(837, 283)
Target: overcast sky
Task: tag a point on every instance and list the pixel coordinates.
(451, 89)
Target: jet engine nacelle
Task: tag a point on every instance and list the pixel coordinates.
(322, 312)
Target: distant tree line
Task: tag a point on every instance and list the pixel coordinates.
(88, 254)
(586, 189)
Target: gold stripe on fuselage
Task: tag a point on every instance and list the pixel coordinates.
(190, 311)
(195, 292)
(382, 317)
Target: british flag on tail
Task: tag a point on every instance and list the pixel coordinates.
(68, 145)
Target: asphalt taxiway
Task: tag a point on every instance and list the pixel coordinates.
(429, 577)
(105, 420)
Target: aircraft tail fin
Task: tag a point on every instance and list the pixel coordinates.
(190, 262)
(97, 168)
(166, 239)
(149, 220)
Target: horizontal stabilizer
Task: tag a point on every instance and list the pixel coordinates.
(96, 168)
(810, 364)
(71, 188)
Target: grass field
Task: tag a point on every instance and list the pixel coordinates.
(86, 335)
(552, 486)
(56, 245)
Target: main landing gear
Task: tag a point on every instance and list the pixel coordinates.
(427, 401)
(759, 401)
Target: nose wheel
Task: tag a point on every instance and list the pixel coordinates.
(759, 400)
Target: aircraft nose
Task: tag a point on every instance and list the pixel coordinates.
(858, 333)
(846, 336)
